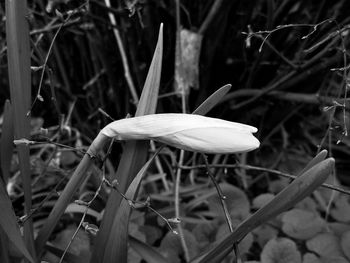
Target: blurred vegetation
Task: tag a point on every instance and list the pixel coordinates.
(287, 62)
(86, 69)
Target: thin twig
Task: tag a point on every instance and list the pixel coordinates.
(220, 193)
(278, 53)
(38, 96)
(268, 33)
(48, 141)
(24, 218)
(160, 168)
(49, 28)
(132, 203)
(88, 204)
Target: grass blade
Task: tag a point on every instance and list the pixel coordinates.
(119, 239)
(301, 187)
(6, 148)
(211, 101)
(317, 159)
(134, 152)
(18, 51)
(134, 156)
(75, 181)
(149, 96)
(147, 252)
(8, 223)
(4, 247)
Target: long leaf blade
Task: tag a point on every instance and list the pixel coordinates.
(301, 187)
(75, 181)
(147, 252)
(134, 155)
(212, 100)
(18, 51)
(8, 223)
(4, 247)
(6, 147)
(149, 96)
(317, 159)
(121, 222)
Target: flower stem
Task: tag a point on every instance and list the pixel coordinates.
(220, 193)
(177, 208)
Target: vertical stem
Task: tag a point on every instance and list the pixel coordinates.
(179, 71)
(178, 60)
(177, 207)
(220, 193)
(160, 167)
(123, 56)
(17, 37)
(210, 17)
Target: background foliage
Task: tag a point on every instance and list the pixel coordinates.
(287, 62)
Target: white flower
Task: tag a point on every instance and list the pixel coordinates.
(186, 131)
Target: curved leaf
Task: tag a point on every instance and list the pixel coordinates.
(341, 209)
(171, 247)
(262, 200)
(212, 100)
(281, 250)
(345, 244)
(237, 202)
(311, 258)
(264, 233)
(147, 252)
(301, 224)
(317, 159)
(325, 244)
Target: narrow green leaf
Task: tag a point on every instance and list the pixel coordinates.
(134, 156)
(119, 239)
(79, 175)
(149, 96)
(212, 100)
(301, 187)
(18, 52)
(6, 149)
(147, 252)
(8, 223)
(132, 159)
(4, 247)
(317, 159)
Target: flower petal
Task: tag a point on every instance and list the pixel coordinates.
(186, 131)
(212, 140)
